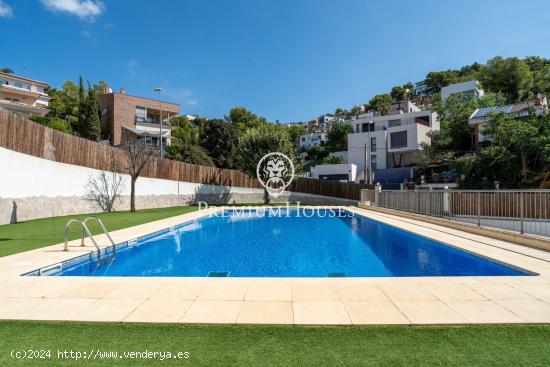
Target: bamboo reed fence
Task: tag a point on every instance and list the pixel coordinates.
(25, 136)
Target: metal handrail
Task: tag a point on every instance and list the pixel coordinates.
(103, 228)
(84, 229)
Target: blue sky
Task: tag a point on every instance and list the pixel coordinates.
(285, 60)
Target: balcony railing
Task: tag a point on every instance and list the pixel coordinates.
(152, 120)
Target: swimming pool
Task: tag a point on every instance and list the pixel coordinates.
(292, 244)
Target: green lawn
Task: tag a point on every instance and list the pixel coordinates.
(37, 233)
(282, 346)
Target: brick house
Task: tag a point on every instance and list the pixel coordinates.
(131, 118)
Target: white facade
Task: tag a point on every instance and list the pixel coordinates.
(470, 88)
(391, 141)
(337, 172)
(312, 139)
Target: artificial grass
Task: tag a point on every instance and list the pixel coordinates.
(520, 345)
(32, 234)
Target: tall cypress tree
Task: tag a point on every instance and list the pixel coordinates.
(81, 117)
(92, 118)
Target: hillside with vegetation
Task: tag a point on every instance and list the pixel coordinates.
(518, 157)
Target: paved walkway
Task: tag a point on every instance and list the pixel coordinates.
(418, 300)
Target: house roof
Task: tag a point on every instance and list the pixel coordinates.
(8, 75)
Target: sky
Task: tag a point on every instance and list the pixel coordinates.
(286, 60)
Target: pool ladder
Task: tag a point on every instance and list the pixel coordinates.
(86, 231)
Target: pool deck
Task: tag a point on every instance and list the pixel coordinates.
(343, 301)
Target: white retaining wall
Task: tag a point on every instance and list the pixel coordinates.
(32, 187)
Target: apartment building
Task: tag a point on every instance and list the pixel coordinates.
(23, 95)
(131, 118)
(389, 141)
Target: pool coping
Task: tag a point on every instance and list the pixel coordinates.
(405, 300)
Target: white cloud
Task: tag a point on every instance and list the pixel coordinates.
(5, 10)
(84, 9)
(132, 66)
(184, 96)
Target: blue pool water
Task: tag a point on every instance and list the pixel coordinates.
(291, 245)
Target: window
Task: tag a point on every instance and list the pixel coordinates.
(141, 113)
(373, 144)
(18, 85)
(398, 139)
(373, 162)
(393, 123)
(365, 127)
(303, 138)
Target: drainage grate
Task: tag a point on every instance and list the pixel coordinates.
(336, 275)
(218, 274)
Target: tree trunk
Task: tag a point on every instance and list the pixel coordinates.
(267, 199)
(133, 194)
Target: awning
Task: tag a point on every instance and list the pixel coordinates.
(140, 132)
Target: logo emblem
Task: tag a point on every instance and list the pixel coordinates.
(275, 171)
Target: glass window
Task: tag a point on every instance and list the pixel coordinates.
(393, 123)
(398, 139)
(373, 162)
(365, 127)
(373, 144)
(17, 85)
(141, 113)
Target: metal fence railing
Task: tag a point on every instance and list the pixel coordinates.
(522, 211)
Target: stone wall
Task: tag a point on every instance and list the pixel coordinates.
(13, 210)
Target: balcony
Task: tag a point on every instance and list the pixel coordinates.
(152, 120)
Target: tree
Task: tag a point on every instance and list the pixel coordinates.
(188, 153)
(53, 122)
(104, 189)
(218, 138)
(315, 154)
(520, 138)
(92, 122)
(81, 117)
(338, 136)
(257, 142)
(436, 80)
(333, 160)
(510, 76)
(6, 70)
(243, 119)
(341, 112)
(294, 133)
(397, 93)
(356, 110)
(136, 158)
(455, 133)
(186, 132)
(381, 103)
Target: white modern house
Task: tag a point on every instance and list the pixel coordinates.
(336, 172)
(312, 139)
(468, 89)
(389, 141)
